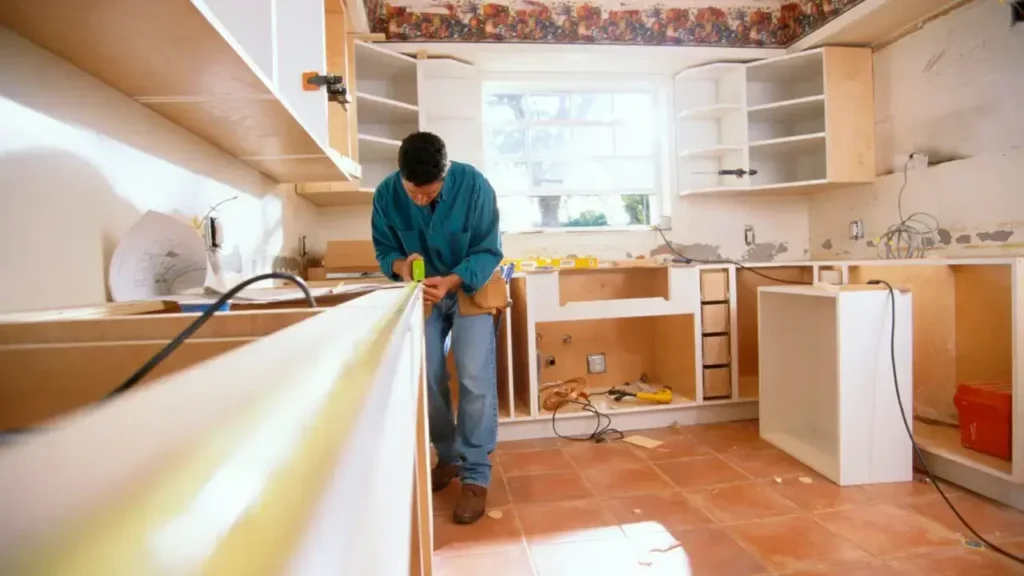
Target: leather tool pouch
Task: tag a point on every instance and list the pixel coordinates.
(489, 299)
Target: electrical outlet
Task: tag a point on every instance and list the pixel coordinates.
(665, 222)
(596, 364)
(748, 235)
(856, 229)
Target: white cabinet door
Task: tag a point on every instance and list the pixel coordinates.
(301, 48)
(451, 102)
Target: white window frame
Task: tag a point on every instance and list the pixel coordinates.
(538, 83)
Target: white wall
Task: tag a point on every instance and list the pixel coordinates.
(952, 90)
(80, 162)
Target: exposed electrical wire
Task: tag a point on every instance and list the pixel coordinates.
(603, 431)
(910, 433)
(198, 323)
(912, 236)
(688, 260)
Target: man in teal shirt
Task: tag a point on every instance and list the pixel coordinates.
(445, 213)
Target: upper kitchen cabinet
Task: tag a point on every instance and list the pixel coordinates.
(230, 71)
(802, 122)
(385, 109)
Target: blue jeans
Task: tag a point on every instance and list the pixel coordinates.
(471, 438)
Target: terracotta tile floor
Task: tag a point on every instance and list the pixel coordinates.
(714, 500)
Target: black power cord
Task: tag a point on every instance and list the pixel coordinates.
(910, 433)
(603, 431)
(191, 329)
(688, 260)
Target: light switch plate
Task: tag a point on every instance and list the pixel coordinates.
(596, 364)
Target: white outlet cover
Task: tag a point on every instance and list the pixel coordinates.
(596, 364)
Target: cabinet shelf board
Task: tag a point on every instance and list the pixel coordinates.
(789, 144)
(802, 187)
(710, 71)
(704, 112)
(712, 151)
(177, 59)
(380, 110)
(789, 110)
(372, 148)
(944, 441)
(795, 67)
(330, 198)
(379, 64)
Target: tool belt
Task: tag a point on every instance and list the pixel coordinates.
(489, 299)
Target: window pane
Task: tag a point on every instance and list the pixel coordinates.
(635, 138)
(571, 142)
(593, 141)
(549, 141)
(633, 106)
(504, 108)
(508, 178)
(505, 142)
(524, 213)
(593, 107)
(548, 106)
(612, 175)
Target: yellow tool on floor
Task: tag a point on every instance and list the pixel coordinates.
(663, 396)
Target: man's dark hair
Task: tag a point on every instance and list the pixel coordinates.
(422, 158)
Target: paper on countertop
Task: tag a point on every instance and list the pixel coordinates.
(158, 257)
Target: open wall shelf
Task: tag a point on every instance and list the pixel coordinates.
(802, 122)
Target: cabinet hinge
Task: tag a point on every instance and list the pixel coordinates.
(337, 91)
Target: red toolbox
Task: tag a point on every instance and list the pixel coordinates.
(986, 417)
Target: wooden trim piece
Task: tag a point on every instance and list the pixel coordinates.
(45, 381)
(612, 284)
(518, 319)
(151, 327)
(341, 123)
(849, 114)
(1018, 370)
(96, 311)
(422, 541)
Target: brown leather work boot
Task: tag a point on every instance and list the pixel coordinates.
(472, 503)
(442, 475)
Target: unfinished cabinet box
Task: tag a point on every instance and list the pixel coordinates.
(714, 285)
(714, 318)
(53, 366)
(716, 350)
(658, 347)
(828, 390)
(805, 123)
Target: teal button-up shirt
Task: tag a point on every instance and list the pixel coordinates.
(459, 235)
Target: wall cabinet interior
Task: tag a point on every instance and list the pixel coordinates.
(802, 122)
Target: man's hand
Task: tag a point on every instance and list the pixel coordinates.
(403, 268)
(435, 288)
